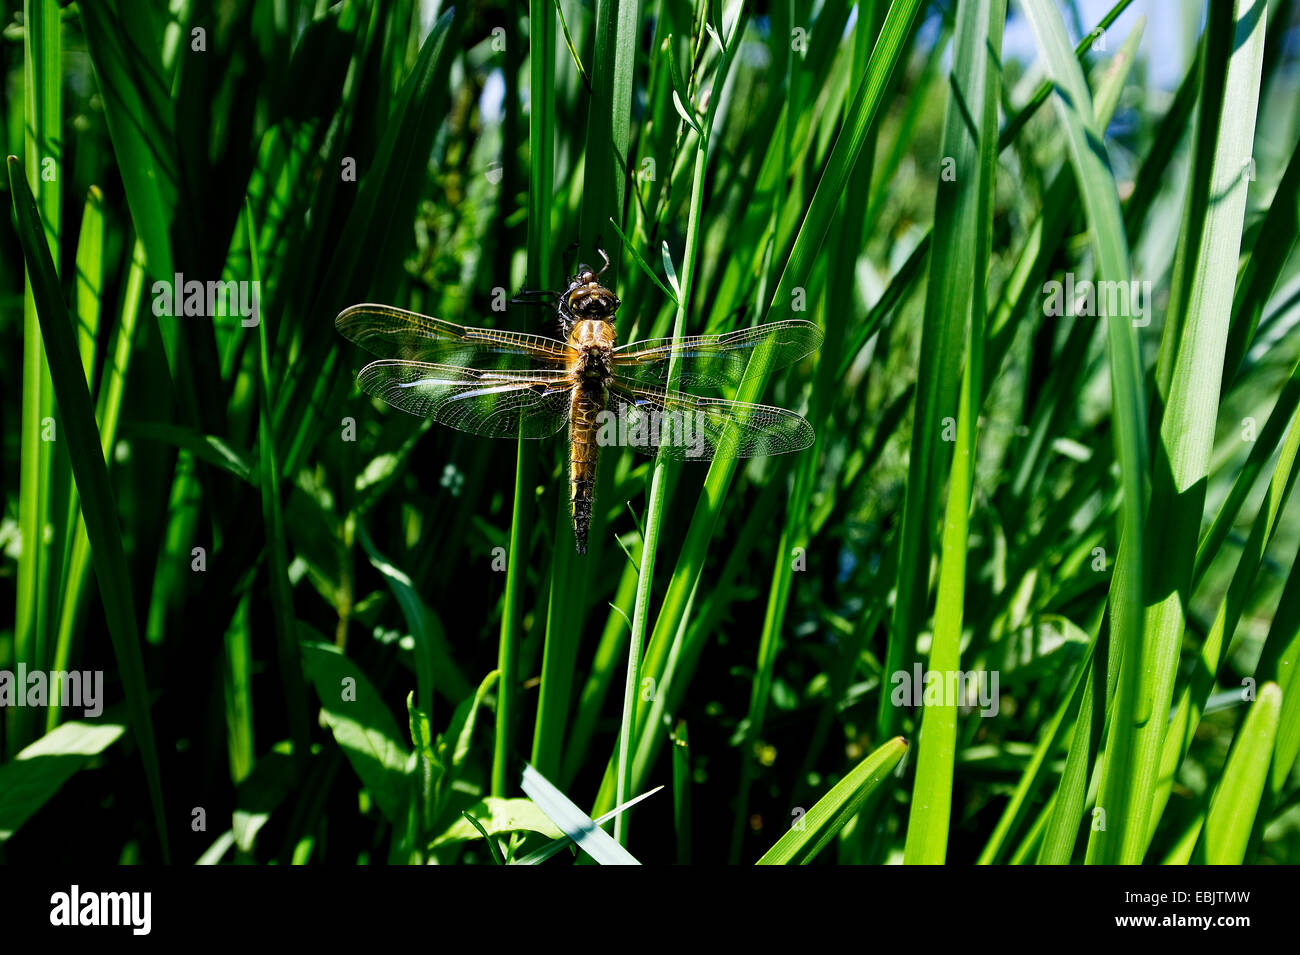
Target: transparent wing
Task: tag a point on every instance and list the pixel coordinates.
(494, 404)
(718, 361)
(396, 333)
(691, 428)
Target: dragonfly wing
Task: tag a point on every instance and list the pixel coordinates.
(718, 361)
(690, 428)
(493, 404)
(396, 333)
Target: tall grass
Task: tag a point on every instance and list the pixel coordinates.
(343, 633)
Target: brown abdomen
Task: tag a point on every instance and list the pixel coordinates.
(584, 453)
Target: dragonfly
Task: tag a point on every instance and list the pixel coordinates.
(505, 384)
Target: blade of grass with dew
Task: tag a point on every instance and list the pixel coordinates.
(1187, 434)
(97, 504)
(810, 834)
(1101, 204)
(955, 308)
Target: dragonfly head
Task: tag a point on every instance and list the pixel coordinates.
(587, 298)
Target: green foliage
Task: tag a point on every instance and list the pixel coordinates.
(347, 632)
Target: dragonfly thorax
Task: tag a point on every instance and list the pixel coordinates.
(593, 341)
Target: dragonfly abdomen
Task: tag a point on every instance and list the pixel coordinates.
(584, 453)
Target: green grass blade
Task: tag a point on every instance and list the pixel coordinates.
(659, 478)
(376, 245)
(90, 278)
(1061, 829)
(814, 226)
(97, 504)
(42, 481)
(936, 397)
(955, 309)
(108, 408)
(362, 725)
(1101, 204)
(827, 817)
(1269, 254)
(34, 775)
(1058, 828)
(1179, 471)
(1265, 443)
(1236, 798)
(1044, 90)
(682, 792)
(126, 54)
(433, 656)
(1279, 661)
(286, 622)
(1194, 696)
(552, 704)
(576, 824)
(609, 123)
